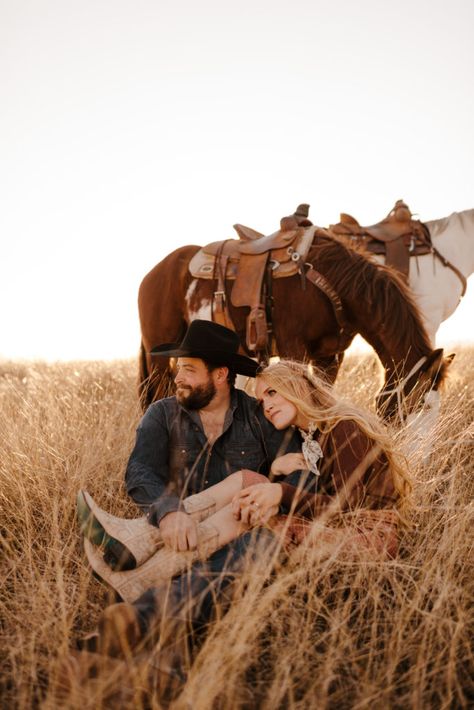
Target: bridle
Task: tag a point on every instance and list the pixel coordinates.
(398, 390)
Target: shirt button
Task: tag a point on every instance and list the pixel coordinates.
(206, 482)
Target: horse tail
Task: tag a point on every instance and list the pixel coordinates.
(143, 378)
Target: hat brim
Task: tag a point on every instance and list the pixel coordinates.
(240, 364)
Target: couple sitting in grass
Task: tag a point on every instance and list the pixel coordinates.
(221, 478)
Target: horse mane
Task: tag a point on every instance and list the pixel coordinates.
(359, 279)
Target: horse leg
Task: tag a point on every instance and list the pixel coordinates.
(155, 378)
(163, 319)
(329, 366)
(143, 378)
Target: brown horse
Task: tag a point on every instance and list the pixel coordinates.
(376, 303)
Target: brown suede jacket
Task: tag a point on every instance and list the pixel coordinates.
(354, 474)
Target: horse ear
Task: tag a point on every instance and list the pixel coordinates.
(433, 360)
(449, 358)
(436, 367)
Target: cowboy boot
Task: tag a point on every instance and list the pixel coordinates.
(118, 632)
(128, 543)
(124, 628)
(122, 633)
(158, 569)
(112, 682)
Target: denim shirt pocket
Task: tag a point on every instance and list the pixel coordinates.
(244, 456)
(184, 464)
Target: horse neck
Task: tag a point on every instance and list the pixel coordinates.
(392, 325)
(398, 357)
(377, 303)
(453, 236)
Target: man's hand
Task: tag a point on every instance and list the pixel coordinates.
(179, 531)
(284, 465)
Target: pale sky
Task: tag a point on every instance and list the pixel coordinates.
(129, 128)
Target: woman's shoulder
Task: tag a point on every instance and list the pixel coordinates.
(345, 430)
(347, 435)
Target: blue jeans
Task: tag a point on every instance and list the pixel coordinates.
(195, 595)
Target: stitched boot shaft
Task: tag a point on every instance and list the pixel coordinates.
(162, 638)
(128, 543)
(157, 570)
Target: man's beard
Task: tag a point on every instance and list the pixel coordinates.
(196, 397)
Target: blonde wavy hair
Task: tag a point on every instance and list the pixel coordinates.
(316, 400)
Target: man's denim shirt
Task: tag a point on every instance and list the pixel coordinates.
(172, 458)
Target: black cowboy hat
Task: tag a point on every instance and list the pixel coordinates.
(213, 343)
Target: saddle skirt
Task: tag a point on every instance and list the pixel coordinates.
(246, 262)
(397, 237)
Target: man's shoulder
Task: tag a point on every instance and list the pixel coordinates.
(243, 404)
(243, 398)
(165, 402)
(160, 408)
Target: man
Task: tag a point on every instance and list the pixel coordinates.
(189, 442)
(184, 445)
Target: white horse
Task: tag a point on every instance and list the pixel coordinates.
(438, 288)
(438, 280)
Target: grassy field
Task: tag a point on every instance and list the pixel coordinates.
(325, 634)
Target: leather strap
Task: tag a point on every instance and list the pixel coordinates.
(448, 264)
(257, 329)
(220, 312)
(323, 284)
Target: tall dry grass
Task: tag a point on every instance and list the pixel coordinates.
(324, 633)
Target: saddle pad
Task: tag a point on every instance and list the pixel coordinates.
(202, 265)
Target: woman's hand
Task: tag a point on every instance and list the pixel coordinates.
(256, 504)
(284, 465)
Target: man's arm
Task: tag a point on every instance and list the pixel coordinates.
(147, 477)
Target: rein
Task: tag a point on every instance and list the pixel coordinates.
(448, 264)
(398, 390)
(321, 282)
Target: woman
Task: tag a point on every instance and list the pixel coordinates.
(356, 474)
(343, 491)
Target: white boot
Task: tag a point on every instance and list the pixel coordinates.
(158, 569)
(128, 543)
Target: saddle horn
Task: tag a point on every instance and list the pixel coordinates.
(301, 215)
(302, 210)
(400, 212)
(299, 218)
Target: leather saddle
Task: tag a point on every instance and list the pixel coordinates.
(247, 261)
(398, 236)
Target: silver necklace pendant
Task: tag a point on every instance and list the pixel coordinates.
(311, 449)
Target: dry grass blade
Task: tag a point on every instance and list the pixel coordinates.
(317, 633)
